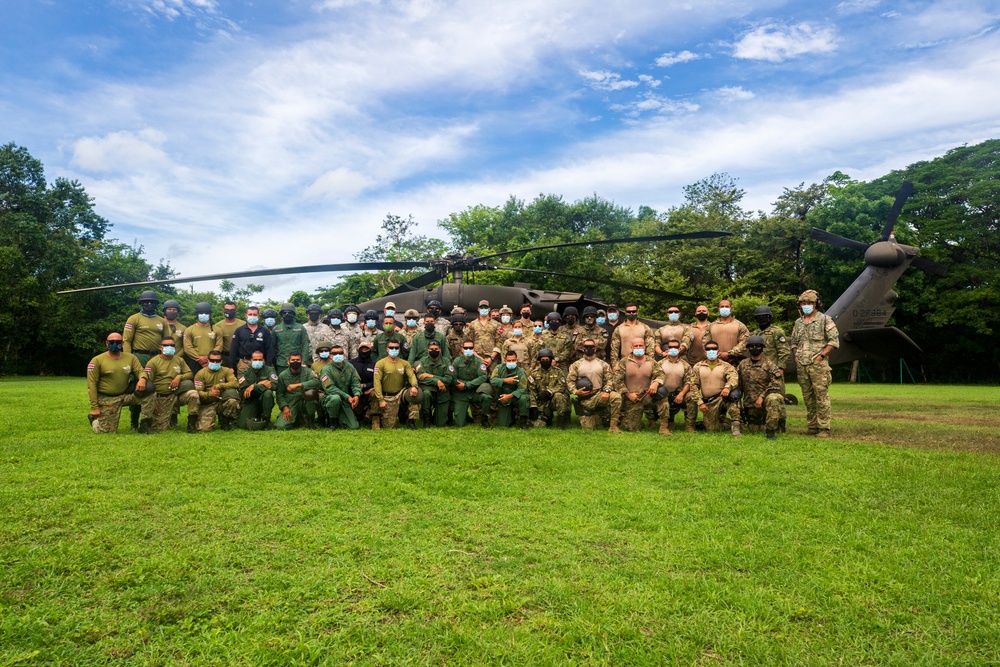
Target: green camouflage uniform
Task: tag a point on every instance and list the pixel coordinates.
(777, 351)
(158, 407)
(471, 371)
(392, 379)
(586, 408)
(227, 404)
(418, 347)
(808, 340)
(761, 378)
(107, 382)
(720, 412)
(295, 400)
(289, 338)
(602, 340)
(340, 384)
(381, 349)
(647, 372)
(562, 347)
(435, 398)
(261, 401)
(518, 390)
(556, 403)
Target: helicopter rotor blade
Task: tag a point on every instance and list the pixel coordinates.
(610, 283)
(930, 266)
(420, 281)
(630, 239)
(837, 240)
(316, 268)
(905, 191)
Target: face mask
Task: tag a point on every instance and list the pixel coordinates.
(335, 322)
(538, 330)
(554, 326)
(712, 354)
(324, 355)
(701, 317)
(170, 314)
(149, 309)
(364, 355)
(484, 312)
(115, 346)
(313, 317)
(612, 317)
(505, 319)
(394, 353)
(256, 365)
(518, 332)
(631, 316)
(203, 317)
(269, 321)
(295, 365)
(807, 309)
(429, 328)
(525, 314)
(229, 314)
(352, 318)
(169, 350)
(639, 353)
(434, 354)
(468, 353)
(390, 312)
(511, 365)
(252, 319)
(674, 317)
(602, 320)
(763, 322)
(338, 358)
(545, 363)
(674, 352)
(411, 323)
(755, 351)
(460, 330)
(288, 318)
(370, 324)
(215, 365)
(589, 351)
(725, 312)
(388, 328)
(571, 320)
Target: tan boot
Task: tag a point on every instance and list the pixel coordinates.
(664, 427)
(736, 430)
(376, 423)
(614, 428)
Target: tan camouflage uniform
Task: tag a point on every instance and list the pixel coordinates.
(808, 340)
(720, 412)
(158, 407)
(603, 382)
(635, 375)
(226, 404)
(761, 379)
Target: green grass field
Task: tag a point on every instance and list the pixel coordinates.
(878, 546)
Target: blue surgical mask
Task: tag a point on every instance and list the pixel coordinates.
(725, 312)
(203, 317)
(335, 321)
(807, 309)
(390, 312)
(673, 352)
(712, 354)
(252, 319)
(394, 353)
(511, 365)
(269, 321)
(517, 332)
(256, 365)
(468, 353)
(484, 312)
(538, 329)
(338, 358)
(411, 323)
(370, 324)
(639, 353)
(214, 366)
(674, 317)
(612, 317)
(169, 350)
(602, 320)
(324, 355)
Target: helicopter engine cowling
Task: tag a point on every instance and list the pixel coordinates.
(885, 255)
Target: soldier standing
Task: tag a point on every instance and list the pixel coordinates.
(142, 335)
(696, 352)
(171, 310)
(485, 335)
(456, 336)
(729, 333)
(420, 343)
(387, 336)
(289, 337)
(591, 329)
(365, 366)
(760, 382)
(674, 329)
(814, 336)
(250, 338)
(108, 378)
(557, 341)
(225, 329)
(199, 338)
(441, 323)
(316, 329)
(341, 334)
(629, 329)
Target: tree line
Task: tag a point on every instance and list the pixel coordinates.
(51, 239)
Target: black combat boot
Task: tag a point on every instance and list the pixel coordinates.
(781, 425)
(771, 435)
(145, 426)
(524, 423)
(173, 419)
(192, 425)
(134, 411)
(310, 423)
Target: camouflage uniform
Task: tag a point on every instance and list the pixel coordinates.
(260, 404)
(777, 351)
(601, 338)
(381, 344)
(486, 337)
(365, 335)
(319, 332)
(455, 340)
(696, 352)
(158, 407)
(408, 336)
(668, 407)
(680, 332)
(302, 407)
(442, 325)
(808, 340)
(392, 378)
(739, 349)
(526, 350)
(556, 402)
(289, 338)
(594, 404)
(107, 382)
(640, 373)
(471, 371)
(761, 379)
(720, 411)
(227, 403)
(561, 346)
(434, 398)
(621, 339)
(340, 384)
(518, 391)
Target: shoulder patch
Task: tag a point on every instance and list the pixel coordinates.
(159, 325)
(531, 379)
(90, 367)
(451, 369)
(482, 367)
(830, 324)
(199, 383)
(128, 326)
(211, 334)
(242, 379)
(274, 376)
(148, 369)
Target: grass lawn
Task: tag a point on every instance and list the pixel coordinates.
(466, 547)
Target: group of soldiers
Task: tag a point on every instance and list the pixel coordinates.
(351, 368)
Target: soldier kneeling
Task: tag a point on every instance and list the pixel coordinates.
(761, 384)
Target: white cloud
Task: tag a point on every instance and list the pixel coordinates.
(734, 94)
(650, 103)
(605, 80)
(649, 81)
(942, 22)
(671, 58)
(340, 182)
(776, 43)
(120, 152)
(173, 9)
(848, 7)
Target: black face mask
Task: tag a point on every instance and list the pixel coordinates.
(631, 316)
(589, 351)
(570, 320)
(229, 314)
(288, 318)
(149, 309)
(763, 322)
(701, 317)
(755, 351)
(545, 363)
(429, 329)
(170, 314)
(525, 315)
(434, 354)
(115, 346)
(295, 365)
(554, 326)
(364, 355)
(313, 317)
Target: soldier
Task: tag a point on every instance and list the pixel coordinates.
(365, 366)
(814, 336)
(525, 321)
(322, 356)
(354, 321)
(696, 352)
(591, 329)
(636, 379)
(506, 319)
(441, 323)
(471, 384)
(171, 309)
(142, 335)
(341, 334)
(761, 385)
(570, 326)
(199, 338)
(537, 329)
(270, 316)
(549, 393)
(225, 329)
(250, 338)
(525, 348)
(776, 349)
(386, 336)
(369, 329)
(390, 311)
(557, 341)
(257, 382)
(420, 343)
(510, 384)
(297, 394)
(435, 375)
(485, 335)
(217, 393)
(590, 381)
(729, 333)
(456, 336)
(341, 390)
(108, 377)
(611, 315)
(173, 383)
(673, 330)
(392, 375)
(712, 380)
(411, 319)
(629, 329)
(289, 337)
(316, 328)
(674, 393)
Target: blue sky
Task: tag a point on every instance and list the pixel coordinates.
(287, 130)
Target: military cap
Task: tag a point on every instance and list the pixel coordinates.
(411, 312)
(287, 307)
(313, 308)
(589, 310)
(149, 295)
(755, 341)
(505, 310)
(390, 305)
(809, 296)
(324, 344)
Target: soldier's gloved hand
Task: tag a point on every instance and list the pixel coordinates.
(544, 395)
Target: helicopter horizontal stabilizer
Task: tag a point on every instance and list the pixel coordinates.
(883, 343)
